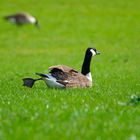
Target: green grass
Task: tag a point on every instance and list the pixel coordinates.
(67, 29)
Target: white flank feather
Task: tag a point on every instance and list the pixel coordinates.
(52, 82)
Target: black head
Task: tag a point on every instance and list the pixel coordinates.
(92, 51)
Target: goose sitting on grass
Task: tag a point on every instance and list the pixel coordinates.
(21, 19)
(62, 76)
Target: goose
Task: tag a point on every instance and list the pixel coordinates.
(61, 76)
(22, 18)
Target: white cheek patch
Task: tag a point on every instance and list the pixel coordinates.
(32, 19)
(93, 52)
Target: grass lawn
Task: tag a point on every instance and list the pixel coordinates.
(67, 29)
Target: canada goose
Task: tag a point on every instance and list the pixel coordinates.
(62, 76)
(22, 18)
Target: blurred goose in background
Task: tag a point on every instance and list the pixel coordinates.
(62, 76)
(21, 19)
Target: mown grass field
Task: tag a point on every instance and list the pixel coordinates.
(67, 29)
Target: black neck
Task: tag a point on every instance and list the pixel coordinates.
(86, 63)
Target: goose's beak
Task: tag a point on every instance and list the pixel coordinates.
(97, 52)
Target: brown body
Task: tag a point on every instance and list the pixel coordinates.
(69, 77)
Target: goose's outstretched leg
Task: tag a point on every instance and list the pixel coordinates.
(29, 82)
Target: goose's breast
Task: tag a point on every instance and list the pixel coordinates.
(78, 80)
